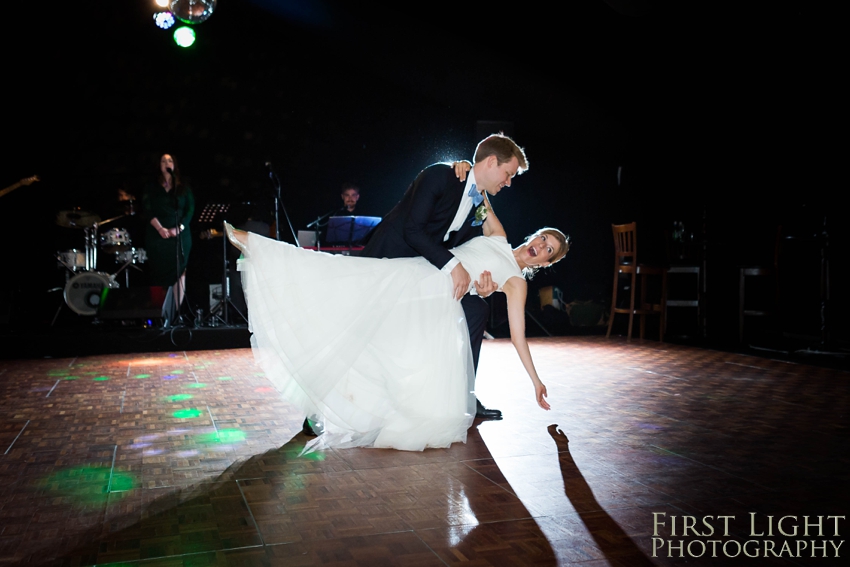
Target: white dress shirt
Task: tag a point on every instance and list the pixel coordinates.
(460, 217)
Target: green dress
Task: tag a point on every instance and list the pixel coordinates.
(162, 252)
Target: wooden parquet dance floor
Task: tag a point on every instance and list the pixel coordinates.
(191, 458)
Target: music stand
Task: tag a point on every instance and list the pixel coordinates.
(350, 230)
(216, 213)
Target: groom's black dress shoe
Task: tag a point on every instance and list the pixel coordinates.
(485, 413)
(307, 429)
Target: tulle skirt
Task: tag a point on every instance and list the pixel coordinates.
(377, 348)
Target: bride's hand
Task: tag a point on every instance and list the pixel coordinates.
(485, 286)
(461, 169)
(540, 392)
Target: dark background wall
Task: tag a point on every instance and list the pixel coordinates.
(716, 115)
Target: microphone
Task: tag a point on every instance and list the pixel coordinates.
(170, 171)
(270, 168)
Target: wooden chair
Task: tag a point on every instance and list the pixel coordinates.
(625, 262)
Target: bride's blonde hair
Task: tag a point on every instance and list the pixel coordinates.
(563, 240)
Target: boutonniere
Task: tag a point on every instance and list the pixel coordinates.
(480, 215)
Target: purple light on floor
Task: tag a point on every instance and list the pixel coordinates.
(177, 432)
(170, 377)
(187, 454)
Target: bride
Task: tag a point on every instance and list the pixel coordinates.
(379, 347)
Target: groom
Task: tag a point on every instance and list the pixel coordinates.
(436, 213)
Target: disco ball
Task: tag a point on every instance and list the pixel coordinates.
(192, 11)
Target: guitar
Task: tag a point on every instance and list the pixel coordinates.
(21, 183)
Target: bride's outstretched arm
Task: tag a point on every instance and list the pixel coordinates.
(516, 289)
(492, 226)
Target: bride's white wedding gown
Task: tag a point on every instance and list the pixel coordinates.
(377, 347)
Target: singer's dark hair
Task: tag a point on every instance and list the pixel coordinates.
(175, 174)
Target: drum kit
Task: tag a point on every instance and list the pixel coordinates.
(85, 286)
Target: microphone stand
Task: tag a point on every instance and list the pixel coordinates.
(177, 317)
(277, 203)
(318, 224)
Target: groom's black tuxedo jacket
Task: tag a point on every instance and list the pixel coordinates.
(417, 224)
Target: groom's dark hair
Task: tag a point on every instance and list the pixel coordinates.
(503, 148)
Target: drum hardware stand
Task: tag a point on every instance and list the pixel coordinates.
(61, 303)
(91, 247)
(129, 263)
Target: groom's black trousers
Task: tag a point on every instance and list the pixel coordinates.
(477, 312)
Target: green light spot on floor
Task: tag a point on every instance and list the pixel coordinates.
(231, 435)
(314, 456)
(57, 373)
(197, 385)
(121, 482)
(86, 485)
(140, 376)
(101, 378)
(70, 378)
(225, 378)
(187, 413)
(177, 372)
(179, 397)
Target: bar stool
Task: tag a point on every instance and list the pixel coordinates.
(686, 278)
(748, 272)
(625, 262)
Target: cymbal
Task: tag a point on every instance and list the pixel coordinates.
(76, 218)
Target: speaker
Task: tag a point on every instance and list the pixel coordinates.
(133, 303)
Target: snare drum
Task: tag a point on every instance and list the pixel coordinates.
(74, 260)
(84, 291)
(133, 255)
(115, 240)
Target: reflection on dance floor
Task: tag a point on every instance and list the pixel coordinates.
(192, 457)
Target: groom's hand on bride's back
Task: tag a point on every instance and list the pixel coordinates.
(460, 281)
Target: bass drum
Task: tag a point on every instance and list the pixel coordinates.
(84, 292)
